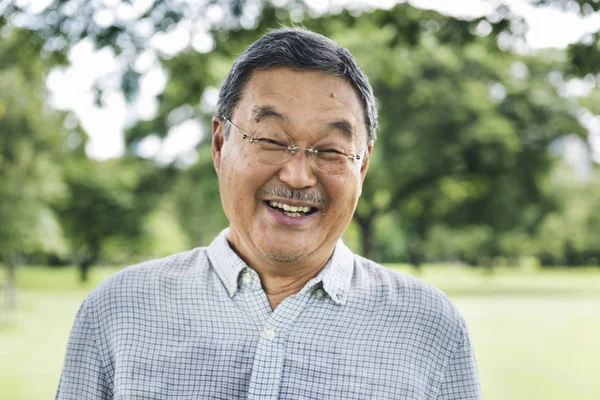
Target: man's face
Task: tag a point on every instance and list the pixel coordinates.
(310, 107)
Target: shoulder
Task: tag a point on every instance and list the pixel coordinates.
(150, 278)
(406, 296)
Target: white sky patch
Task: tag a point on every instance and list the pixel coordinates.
(574, 151)
(34, 6)
(457, 8)
(578, 87)
(592, 122)
(209, 100)
(69, 85)
(174, 41)
(145, 60)
(152, 83)
(552, 27)
(146, 107)
(106, 138)
(497, 92)
(71, 89)
(149, 147)
(202, 42)
(181, 138)
(179, 145)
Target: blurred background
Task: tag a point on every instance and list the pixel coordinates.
(485, 178)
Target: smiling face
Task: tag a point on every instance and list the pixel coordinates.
(291, 212)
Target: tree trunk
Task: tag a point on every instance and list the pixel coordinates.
(84, 268)
(11, 284)
(415, 258)
(87, 261)
(366, 235)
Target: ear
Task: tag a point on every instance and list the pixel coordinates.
(218, 139)
(365, 164)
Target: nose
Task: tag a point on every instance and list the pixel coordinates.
(298, 171)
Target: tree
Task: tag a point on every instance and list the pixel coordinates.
(570, 234)
(462, 120)
(495, 114)
(32, 141)
(108, 200)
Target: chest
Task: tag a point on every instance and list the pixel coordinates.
(303, 351)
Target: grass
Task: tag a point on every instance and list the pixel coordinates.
(536, 333)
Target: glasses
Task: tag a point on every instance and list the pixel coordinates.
(328, 156)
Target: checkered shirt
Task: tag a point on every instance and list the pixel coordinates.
(198, 325)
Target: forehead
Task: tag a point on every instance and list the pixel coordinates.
(307, 99)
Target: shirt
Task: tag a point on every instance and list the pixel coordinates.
(198, 325)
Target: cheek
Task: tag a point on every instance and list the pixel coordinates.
(231, 184)
(343, 193)
(241, 179)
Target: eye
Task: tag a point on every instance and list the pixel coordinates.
(329, 150)
(330, 154)
(271, 143)
(333, 146)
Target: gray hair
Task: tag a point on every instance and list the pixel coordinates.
(301, 49)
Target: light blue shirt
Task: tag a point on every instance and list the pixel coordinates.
(198, 325)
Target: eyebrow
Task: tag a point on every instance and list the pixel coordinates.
(343, 126)
(261, 112)
(266, 111)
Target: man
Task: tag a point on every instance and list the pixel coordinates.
(277, 307)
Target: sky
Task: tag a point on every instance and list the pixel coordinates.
(71, 87)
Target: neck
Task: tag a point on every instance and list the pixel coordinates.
(282, 279)
(279, 287)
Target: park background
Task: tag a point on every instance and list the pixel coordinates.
(484, 179)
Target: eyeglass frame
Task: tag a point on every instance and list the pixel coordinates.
(293, 149)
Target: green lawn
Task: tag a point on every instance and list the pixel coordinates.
(536, 334)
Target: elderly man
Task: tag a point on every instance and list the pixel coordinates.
(276, 307)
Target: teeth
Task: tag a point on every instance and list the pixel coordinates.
(292, 211)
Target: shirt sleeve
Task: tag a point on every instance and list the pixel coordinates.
(461, 380)
(83, 376)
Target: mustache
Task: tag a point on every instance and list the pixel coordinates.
(302, 195)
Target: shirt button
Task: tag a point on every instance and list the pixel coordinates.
(247, 278)
(269, 334)
(319, 293)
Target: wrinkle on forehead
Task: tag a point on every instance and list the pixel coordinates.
(260, 112)
(314, 98)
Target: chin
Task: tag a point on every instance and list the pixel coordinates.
(283, 255)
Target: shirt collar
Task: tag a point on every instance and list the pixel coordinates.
(335, 277)
(226, 262)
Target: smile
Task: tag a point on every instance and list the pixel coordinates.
(291, 211)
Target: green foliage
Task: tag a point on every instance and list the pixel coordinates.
(458, 171)
(110, 200)
(32, 142)
(571, 234)
(198, 203)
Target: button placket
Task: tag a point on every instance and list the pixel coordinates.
(270, 353)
